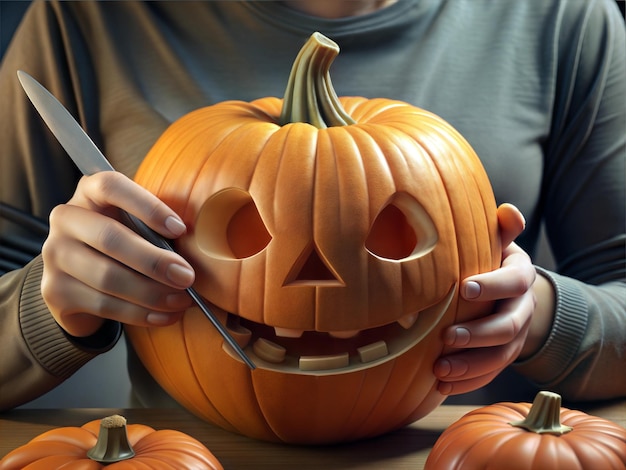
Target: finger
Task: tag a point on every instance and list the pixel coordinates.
(112, 278)
(480, 364)
(122, 244)
(513, 278)
(465, 386)
(110, 189)
(506, 325)
(76, 320)
(511, 223)
(76, 262)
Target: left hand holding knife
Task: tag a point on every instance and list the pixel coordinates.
(97, 268)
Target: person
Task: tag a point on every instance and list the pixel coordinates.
(536, 88)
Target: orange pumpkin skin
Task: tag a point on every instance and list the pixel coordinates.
(67, 447)
(485, 439)
(318, 230)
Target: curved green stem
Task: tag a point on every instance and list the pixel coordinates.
(310, 96)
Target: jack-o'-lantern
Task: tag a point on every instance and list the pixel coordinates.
(330, 235)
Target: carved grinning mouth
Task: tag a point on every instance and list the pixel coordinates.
(320, 353)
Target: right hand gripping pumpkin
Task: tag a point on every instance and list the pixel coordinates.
(330, 235)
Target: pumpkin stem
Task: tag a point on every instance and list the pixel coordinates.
(112, 445)
(544, 416)
(310, 96)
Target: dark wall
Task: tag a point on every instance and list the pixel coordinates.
(11, 12)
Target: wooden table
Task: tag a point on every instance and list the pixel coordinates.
(406, 448)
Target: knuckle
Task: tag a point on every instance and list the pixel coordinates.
(102, 185)
(56, 214)
(53, 293)
(108, 278)
(159, 264)
(521, 281)
(149, 295)
(104, 305)
(109, 238)
(47, 251)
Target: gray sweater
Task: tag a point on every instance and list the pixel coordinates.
(537, 88)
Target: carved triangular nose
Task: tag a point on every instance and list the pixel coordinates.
(311, 269)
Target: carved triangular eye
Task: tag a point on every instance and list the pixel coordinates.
(402, 230)
(229, 226)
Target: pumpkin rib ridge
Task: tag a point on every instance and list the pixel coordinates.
(268, 423)
(599, 445)
(284, 135)
(469, 254)
(464, 166)
(234, 135)
(493, 442)
(260, 156)
(353, 105)
(458, 432)
(408, 385)
(177, 135)
(198, 382)
(425, 163)
(350, 423)
(381, 165)
(374, 111)
(188, 139)
(164, 371)
(339, 135)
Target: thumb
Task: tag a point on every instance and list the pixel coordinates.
(511, 223)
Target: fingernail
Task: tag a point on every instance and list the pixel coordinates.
(472, 290)
(175, 225)
(462, 337)
(445, 388)
(180, 275)
(158, 318)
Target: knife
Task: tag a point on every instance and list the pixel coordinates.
(90, 160)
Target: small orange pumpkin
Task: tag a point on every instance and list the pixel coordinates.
(531, 437)
(330, 235)
(112, 444)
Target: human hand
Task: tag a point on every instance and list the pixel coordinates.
(489, 344)
(96, 268)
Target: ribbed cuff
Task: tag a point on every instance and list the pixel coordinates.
(56, 351)
(568, 330)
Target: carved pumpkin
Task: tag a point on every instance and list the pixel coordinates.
(330, 234)
(112, 444)
(533, 437)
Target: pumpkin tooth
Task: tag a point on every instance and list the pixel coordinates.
(373, 351)
(335, 361)
(408, 321)
(288, 332)
(240, 333)
(269, 351)
(344, 334)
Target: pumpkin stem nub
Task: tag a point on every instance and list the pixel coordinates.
(112, 444)
(310, 96)
(544, 416)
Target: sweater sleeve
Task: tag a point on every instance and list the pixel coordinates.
(36, 354)
(584, 194)
(35, 175)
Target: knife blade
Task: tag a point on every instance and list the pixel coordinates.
(89, 160)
